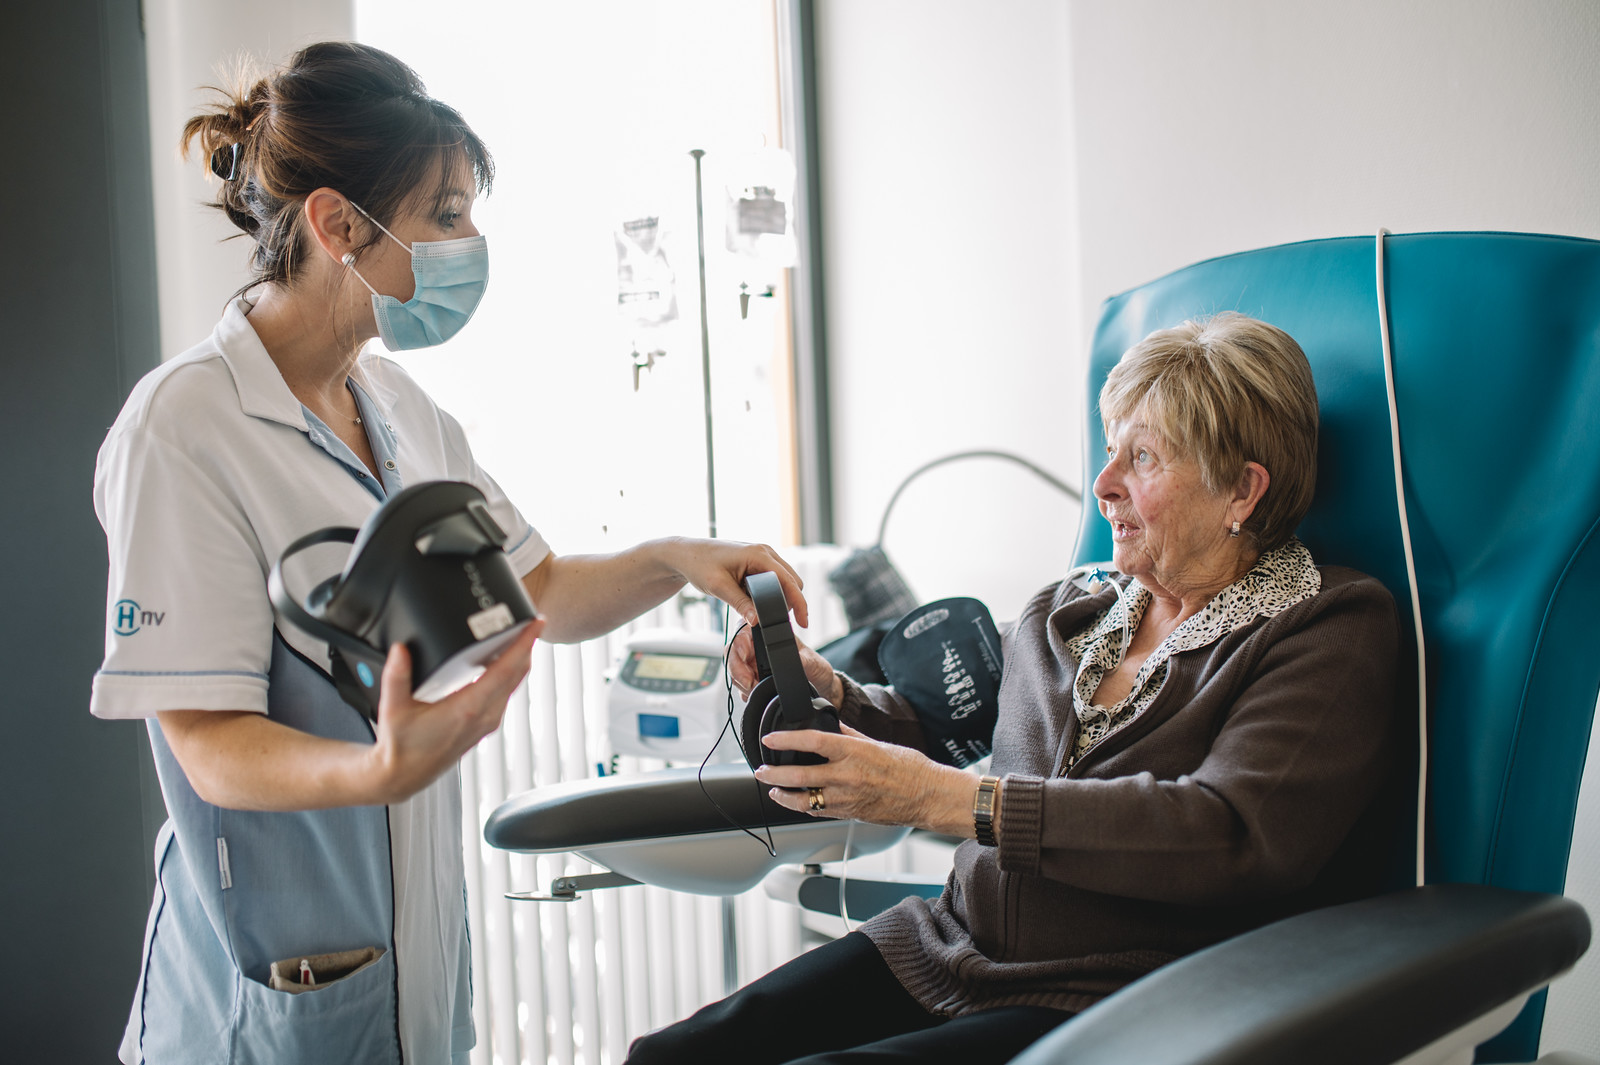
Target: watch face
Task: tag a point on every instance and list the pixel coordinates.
(983, 811)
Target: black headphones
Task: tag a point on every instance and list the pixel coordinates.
(782, 700)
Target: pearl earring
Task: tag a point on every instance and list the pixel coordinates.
(350, 260)
(1235, 530)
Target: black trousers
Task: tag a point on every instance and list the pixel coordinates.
(835, 1005)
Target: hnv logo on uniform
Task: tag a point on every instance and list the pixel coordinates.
(130, 619)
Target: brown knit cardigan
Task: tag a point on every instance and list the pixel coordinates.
(1230, 802)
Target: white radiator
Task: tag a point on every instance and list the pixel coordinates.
(568, 983)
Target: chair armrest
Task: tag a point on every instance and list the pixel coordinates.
(1366, 982)
(712, 833)
(579, 814)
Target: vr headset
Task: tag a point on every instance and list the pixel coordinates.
(427, 569)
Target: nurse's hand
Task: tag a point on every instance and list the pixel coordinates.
(416, 742)
(871, 781)
(719, 567)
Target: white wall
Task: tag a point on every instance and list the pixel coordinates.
(1207, 128)
(190, 44)
(992, 172)
(953, 321)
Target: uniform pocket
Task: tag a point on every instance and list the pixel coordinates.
(313, 972)
(350, 1017)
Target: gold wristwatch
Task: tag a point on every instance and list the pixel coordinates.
(983, 810)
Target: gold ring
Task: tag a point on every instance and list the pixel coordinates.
(817, 802)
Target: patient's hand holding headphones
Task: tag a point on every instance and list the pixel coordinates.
(944, 659)
(783, 699)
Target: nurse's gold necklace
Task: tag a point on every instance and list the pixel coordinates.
(346, 417)
(357, 418)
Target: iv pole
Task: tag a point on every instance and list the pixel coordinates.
(705, 343)
(730, 926)
(565, 888)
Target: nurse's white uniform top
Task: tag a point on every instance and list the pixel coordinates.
(210, 471)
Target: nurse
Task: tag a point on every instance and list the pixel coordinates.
(310, 900)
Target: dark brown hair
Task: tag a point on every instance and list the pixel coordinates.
(340, 115)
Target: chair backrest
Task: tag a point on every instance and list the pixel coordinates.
(1495, 340)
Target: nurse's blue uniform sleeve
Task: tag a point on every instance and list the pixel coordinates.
(188, 624)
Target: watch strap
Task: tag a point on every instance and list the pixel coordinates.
(983, 809)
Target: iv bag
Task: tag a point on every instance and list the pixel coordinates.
(646, 283)
(760, 206)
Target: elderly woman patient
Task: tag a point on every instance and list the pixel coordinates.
(1184, 745)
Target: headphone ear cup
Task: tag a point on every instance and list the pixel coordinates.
(823, 718)
(763, 694)
(772, 721)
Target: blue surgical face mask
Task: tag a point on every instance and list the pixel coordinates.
(451, 276)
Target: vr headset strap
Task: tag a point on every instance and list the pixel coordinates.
(290, 606)
(350, 689)
(340, 677)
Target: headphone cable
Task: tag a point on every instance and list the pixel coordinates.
(727, 724)
(844, 878)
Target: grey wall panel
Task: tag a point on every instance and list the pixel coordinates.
(77, 328)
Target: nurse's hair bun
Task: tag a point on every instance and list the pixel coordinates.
(338, 115)
(224, 133)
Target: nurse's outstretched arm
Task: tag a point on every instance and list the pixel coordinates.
(246, 761)
(584, 596)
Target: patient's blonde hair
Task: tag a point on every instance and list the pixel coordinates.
(1227, 390)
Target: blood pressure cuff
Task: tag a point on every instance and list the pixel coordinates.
(944, 659)
(856, 653)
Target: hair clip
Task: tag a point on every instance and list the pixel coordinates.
(225, 161)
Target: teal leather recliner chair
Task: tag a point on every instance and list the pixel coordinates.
(1496, 357)
(1495, 341)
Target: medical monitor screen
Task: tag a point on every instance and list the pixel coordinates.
(669, 667)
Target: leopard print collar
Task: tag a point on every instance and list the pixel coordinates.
(1279, 579)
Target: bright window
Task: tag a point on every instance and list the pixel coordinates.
(590, 111)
